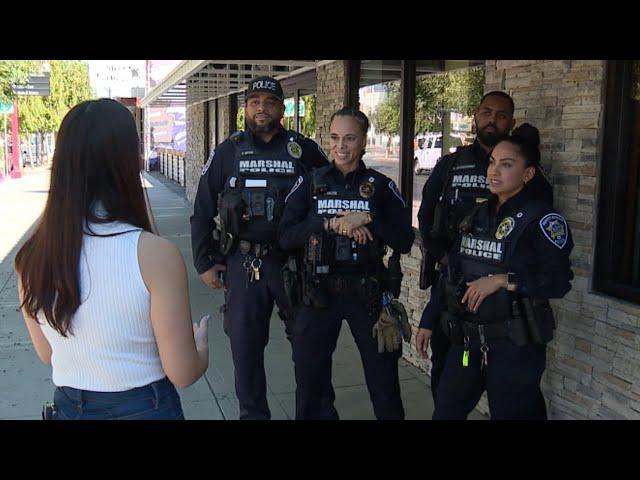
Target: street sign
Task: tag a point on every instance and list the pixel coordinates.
(37, 85)
(6, 108)
(289, 105)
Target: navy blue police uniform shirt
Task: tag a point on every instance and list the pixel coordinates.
(219, 167)
(540, 260)
(390, 221)
(432, 190)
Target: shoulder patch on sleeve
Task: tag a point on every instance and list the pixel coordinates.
(209, 161)
(294, 188)
(396, 192)
(554, 227)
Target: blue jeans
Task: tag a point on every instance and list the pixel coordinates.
(156, 401)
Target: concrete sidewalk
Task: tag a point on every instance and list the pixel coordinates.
(25, 382)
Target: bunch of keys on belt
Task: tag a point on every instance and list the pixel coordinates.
(253, 268)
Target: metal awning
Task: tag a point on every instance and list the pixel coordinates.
(196, 81)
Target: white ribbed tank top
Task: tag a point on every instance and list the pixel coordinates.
(112, 347)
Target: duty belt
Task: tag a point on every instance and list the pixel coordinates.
(246, 247)
(350, 285)
(491, 330)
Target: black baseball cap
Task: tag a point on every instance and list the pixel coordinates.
(265, 84)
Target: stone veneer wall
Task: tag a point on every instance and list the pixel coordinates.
(196, 155)
(593, 364)
(330, 85)
(593, 367)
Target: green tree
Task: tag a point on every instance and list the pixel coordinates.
(240, 118)
(15, 71)
(308, 122)
(458, 90)
(69, 82)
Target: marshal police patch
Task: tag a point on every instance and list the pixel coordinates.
(505, 228)
(554, 227)
(294, 149)
(208, 164)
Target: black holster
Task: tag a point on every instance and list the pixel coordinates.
(428, 272)
(292, 279)
(394, 275)
(540, 320)
(452, 327)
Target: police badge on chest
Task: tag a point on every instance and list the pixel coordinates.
(366, 189)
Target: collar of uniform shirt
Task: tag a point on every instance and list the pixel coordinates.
(350, 178)
(478, 151)
(257, 140)
(515, 203)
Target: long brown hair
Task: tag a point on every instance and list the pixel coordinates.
(96, 159)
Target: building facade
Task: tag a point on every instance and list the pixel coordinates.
(590, 131)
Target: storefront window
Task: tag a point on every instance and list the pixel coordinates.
(379, 97)
(617, 269)
(445, 102)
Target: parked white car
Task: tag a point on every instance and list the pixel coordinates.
(429, 152)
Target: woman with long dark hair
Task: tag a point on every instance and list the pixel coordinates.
(105, 301)
(510, 257)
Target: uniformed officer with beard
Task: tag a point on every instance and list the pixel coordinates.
(457, 184)
(245, 181)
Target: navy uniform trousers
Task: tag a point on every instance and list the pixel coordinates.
(315, 336)
(511, 379)
(248, 309)
(439, 341)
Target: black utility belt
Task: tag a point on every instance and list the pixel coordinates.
(246, 247)
(489, 330)
(349, 285)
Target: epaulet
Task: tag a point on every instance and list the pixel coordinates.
(294, 136)
(370, 172)
(237, 136)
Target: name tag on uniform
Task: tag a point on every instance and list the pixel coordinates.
(255, 183)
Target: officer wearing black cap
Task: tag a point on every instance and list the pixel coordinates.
(245, 181)
(510, 257)
(457, 184)
(345, 215)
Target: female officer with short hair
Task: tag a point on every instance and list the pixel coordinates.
(511, 256)
(344, 215)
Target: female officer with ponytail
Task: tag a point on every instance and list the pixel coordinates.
(345, 215)
(510, 257)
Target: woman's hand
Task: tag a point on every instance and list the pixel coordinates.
(348, 221)
(422, 341)
(362, 235)
(200, 334)
(480, 289)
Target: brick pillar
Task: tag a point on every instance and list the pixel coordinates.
(196, 155)
(331, 88)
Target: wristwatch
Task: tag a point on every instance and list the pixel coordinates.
(511, 282)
